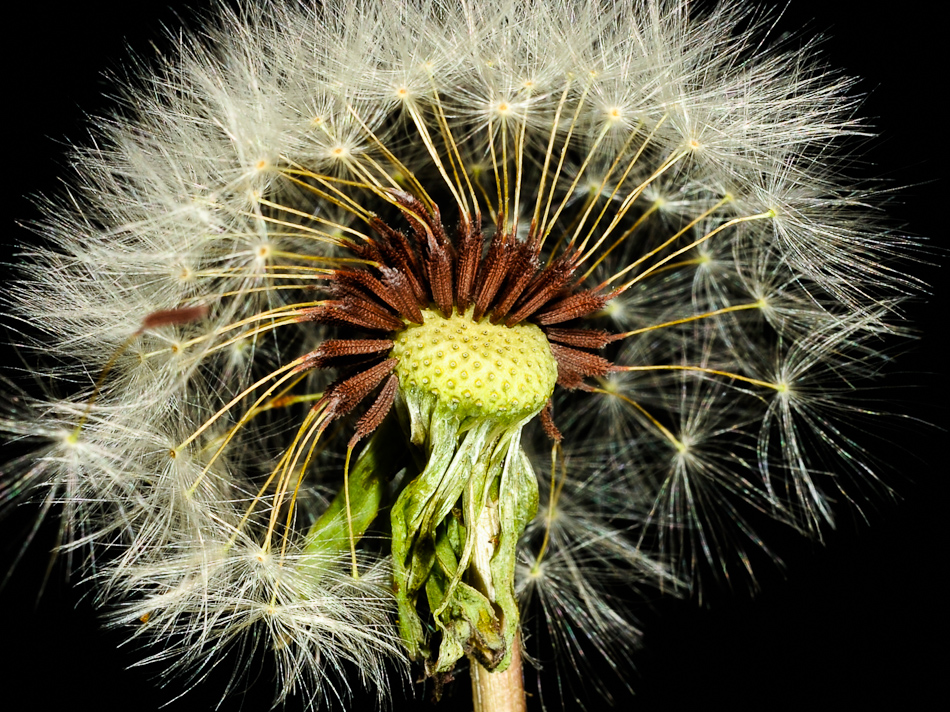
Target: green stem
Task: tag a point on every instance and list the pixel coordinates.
(383, 456)
(500, 691)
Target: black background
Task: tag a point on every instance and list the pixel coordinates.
(856, 624)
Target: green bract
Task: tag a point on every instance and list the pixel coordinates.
(468, 389)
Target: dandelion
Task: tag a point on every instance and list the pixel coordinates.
(390, 336)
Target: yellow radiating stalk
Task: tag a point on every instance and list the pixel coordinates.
(282, 400)
(669, 241)
(603, 184)
(269, 287)
(74, 436)
(499, 184)
(299, 227)
(419, 191)
(382, 193)
(234, 430)
(536, 229)
(545, 229)
(630, 200)
(293, 319)
(702, 369)
(677, 265)
(519, 166)
(370, 181)
(301, 438)
(99, 381)
(454, 153)
(729, 223)
(272, 272)
(293, 501)
(238, 398)
(620, 240)
(557, 483)
(631, 197)
(278, 468)
(296, 169)
(373, 184)
(313, 413)
(577, 178)
(696, 317)
(646, 414)
(492, 212)
(506, 186)
(569, 227)
(290, 313)
(430, 146)
(332, 194)
(306, 272)
(374, 164)
(329, 259)
(300, 272)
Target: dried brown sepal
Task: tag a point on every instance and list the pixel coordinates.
(408, 201)
(172, 317)
(423, 223)
(573, 306)
(397, 252)
(492, 273)
(376, 412)
(545, 286)
(342, 396)
(414, 208)
(533, 239)
(373, 313)
(334, 350)
(547, 422)
(467, 259)
(439, 267)
(352, 312)
(407, 305)
(365, 284)
(573, 366)
(347, 283)
(523, 266)
(572, 381)
(580, 338)
(368, 251)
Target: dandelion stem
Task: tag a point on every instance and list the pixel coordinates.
(500, 691)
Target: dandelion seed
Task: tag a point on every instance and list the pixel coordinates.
(383, 333)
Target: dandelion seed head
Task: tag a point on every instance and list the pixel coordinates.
(477, 370)
(388, 330)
